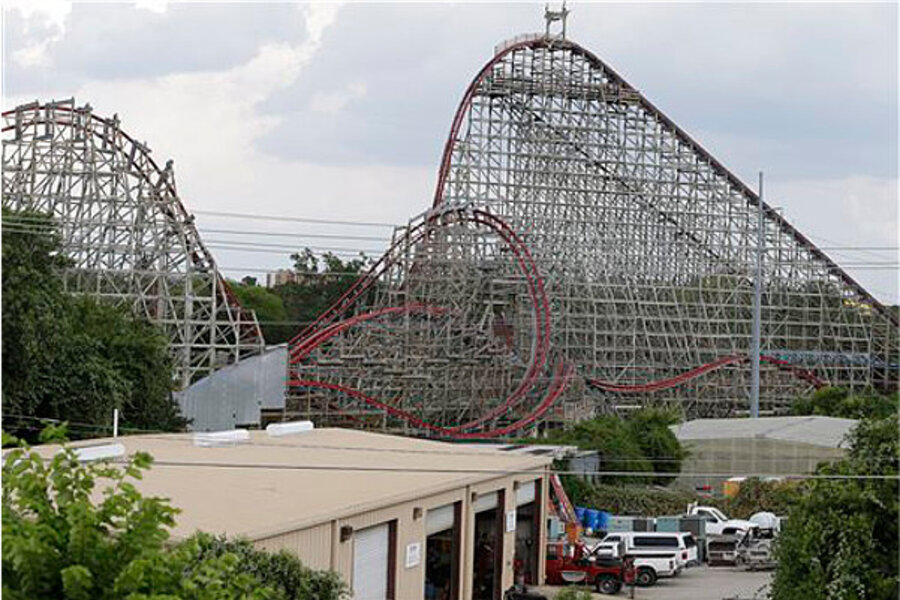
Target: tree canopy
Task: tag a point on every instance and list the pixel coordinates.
(640, 443)
(840, 402)
(71, 357)
(841, 537)
(284, 310)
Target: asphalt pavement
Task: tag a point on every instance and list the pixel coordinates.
(698, 583)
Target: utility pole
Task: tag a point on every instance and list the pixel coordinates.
(757, 308)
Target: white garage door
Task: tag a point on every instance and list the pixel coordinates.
(370, 563)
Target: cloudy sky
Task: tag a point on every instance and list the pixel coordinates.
(340, 111)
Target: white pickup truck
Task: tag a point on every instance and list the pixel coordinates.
(717, 523)
(648, 566)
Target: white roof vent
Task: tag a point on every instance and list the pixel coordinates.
(290, 428)
(104, 451)
(213, 439)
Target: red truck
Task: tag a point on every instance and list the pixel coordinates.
(574, 563)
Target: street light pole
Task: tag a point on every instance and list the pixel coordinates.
(757, 308)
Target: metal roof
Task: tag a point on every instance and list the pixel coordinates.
(253, 487)
(814, 430)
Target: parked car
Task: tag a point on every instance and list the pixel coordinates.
(693, 551)
(756, 554)
(575, 563)
(723, 549)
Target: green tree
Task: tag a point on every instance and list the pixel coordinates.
(74, 358)
(841, 539)
(34, 308)
(839, 402)
(65, 539)
(642, 443)
(615, 444)
(320, 282)
(269, 308)
(56, 542)
(282, 570)
(649, 427)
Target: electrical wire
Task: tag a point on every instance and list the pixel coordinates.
(470, 449)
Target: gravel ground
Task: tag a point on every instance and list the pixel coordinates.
(700, 583)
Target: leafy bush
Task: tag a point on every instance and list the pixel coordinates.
(839, 402)
(56, 542)
(186, 574)
(575, 593)
(60, 542)
(636, 500)
(755, 495)
(281, 570)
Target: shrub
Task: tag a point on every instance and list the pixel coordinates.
(280, 570)
(575, 593)
(841, 538)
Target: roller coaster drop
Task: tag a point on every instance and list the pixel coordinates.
(576, 229)
(125, 230)
(582, 252)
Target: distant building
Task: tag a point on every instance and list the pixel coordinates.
(280, 277)
(396, 517)
(767, 446)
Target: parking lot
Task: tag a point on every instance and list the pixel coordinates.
(700, 583)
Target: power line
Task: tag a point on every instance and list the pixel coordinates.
(469, 450)
(282, 249)
(293, 219)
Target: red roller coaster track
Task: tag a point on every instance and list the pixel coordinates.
(327, 327)
(330, 322)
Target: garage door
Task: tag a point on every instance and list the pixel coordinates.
(370, 563)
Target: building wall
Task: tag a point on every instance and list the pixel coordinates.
(749, 456)
(320, 546)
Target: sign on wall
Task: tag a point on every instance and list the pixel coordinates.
(510, 521)
(413, 554)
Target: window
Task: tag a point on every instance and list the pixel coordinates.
(656, 542)
(719, 515)
(553, 552)
(689, 541)
(708, 516)
(611, 538)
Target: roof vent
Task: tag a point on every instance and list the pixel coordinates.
(105, 451)
(213, 439)
(290, 428)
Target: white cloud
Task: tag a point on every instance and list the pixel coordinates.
(842, 213)
(52, 12)
(212, 121)
(34, 55)
(334, 102)
(47, 14)
(155, 6)
(209, 123)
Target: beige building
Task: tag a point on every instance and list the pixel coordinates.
(398, 518)
(767, 446)
(280, 277)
